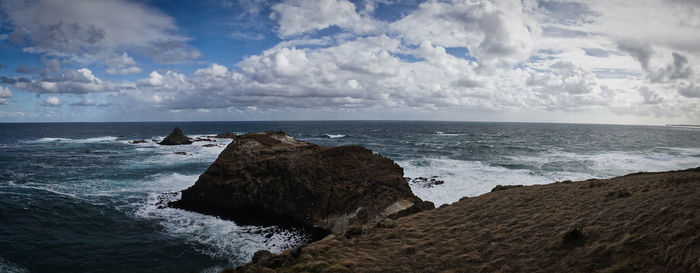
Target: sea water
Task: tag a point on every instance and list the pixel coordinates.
(78, 197)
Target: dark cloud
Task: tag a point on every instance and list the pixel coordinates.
(679, 68)
(689, 90)
(66, 38)
(23, 69)
(649, 96)
(640, 51)
(561, 32)
(172, 51)
(17, 37)
(7, 80)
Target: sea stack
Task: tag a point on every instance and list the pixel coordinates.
(271, 178)
(176, 138)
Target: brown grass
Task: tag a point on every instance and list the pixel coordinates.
(636, 223)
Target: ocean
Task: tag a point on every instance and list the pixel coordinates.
(77, 197)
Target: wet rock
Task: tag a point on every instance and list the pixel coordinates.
(209, 145)
(138, 141)
(180, 153)
(424, 182)
(198, 139)
(502, 188)
(165, 198)
(271, 178)
(260, 254)
(176, 138)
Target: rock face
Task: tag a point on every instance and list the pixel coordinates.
(225, 135)
(272, 178)
(176, 138)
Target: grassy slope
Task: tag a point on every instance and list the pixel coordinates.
(641, 222)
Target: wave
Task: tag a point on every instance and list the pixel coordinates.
(331, 136)
(70, 140)
(7, 267)
(614, 163)
(211, 235)
(470, 178)
(447, 134)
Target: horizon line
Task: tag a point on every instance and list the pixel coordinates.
(352, 120)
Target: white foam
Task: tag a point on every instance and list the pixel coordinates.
(7, 267)
(48, 139)
(615, 163)
(220, 238)
(471, 178)
(446, 134)
(165, 154)
(70, 140)
(335, 136)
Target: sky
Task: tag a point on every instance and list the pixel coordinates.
(594, 61)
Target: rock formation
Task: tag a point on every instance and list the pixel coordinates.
(272, 178)
(176, 138)
(225, 135)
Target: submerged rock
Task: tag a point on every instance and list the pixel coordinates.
(176, 138)
(271, 178)
(138, 141)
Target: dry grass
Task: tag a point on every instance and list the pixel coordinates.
(636, 223)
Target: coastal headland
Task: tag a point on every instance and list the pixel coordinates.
(642, 222)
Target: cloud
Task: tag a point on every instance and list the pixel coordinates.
(172, 51)
(556, 85)
(86, 102)
(80, 81)
(493, 31)
(650, 97)
(122, 64)
(689, 90)
(5, 93)
(639, 51)
(569, 13)
(680, 68)
(22, 69)
(91, 30)
(7, 80)
(301, 16)
(52, 101)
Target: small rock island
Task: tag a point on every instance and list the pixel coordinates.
(270, 178)
(176, 138)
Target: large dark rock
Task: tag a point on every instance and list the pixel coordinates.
(176, 138)
(272, 178)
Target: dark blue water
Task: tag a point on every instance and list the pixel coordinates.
(76, 197)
